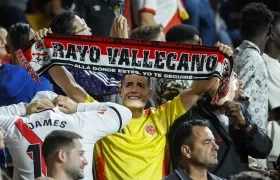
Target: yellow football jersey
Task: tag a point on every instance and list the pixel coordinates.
(139, 151)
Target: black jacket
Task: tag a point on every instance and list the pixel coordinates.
(180, 174)
(235, 146)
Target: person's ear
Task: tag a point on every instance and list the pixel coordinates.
(186, 151)
(61, 155)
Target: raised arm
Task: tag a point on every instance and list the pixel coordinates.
(146, 11)
(109, 119)
(23, 109)
(198, 88)
(62, 77)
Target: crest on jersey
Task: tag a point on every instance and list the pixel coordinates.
(151, 129)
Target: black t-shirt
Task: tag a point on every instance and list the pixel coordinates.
(98, 14)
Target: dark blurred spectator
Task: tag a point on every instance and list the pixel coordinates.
(12, 11)
(99, 14)
(165, 12)
(248, 62)
(271, 58)
(234, 131)
(231, 16)
(97, 84)
(221, 27)
(37, 14)
(196, 151)
(202, 17)
(150, 33)
(56, 6)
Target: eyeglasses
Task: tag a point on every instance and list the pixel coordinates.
(81, 30)
(86, 28)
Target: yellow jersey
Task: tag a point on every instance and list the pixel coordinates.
(139, 151)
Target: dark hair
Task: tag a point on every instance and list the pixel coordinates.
(276, 18)
(255, 18)
(2, 27)
(62, 23)
(146, 32)
(19, 34)
(181, 134)
(249, 175)
(57, 140)
(124, 75)
(181, 33)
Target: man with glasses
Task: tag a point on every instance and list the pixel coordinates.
(104, 83)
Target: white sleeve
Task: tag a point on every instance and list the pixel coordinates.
(109, 119)
(7, 121)
(145, 6)
(96, 106)
(13, 110)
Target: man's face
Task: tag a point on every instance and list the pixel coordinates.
(204, 149)
(81, 27)
(135, 91)
(2, 132)
(76, 161)
(3, 36)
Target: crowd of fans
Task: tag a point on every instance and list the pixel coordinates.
(81, 124)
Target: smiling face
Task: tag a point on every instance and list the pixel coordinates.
(135, 91)
(76, 160)
(81, 27)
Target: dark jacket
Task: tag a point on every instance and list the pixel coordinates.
(235, 146)
(180, 174)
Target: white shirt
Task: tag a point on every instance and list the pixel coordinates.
(273, 71)
(163, 10)
(250, 68)
(92, 121)
(224, 121)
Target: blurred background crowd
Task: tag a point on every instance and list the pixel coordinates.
(251, 30)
